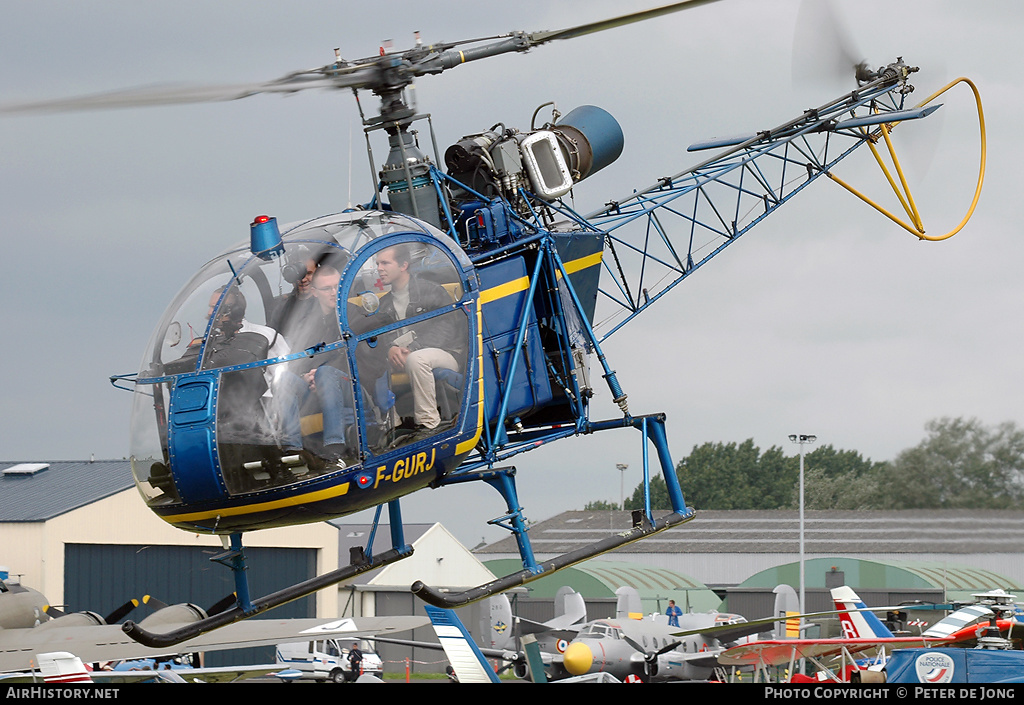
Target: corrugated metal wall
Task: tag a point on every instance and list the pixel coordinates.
(101, 577)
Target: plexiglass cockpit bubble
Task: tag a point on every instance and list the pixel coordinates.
(267, 373)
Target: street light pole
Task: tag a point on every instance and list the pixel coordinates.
(802, 438)
(622, 467)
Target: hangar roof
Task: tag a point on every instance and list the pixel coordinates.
(830, 532)
(958, 582)
(598, 578)
(39, 491)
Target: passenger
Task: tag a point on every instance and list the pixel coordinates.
(298, 303)
(420, 348)
(326, 375)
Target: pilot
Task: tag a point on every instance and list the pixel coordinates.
(277, 346)
(326, 375)
(232, 337)
(231, 343)
(418, 349)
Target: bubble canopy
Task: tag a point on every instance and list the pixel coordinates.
(267, 373)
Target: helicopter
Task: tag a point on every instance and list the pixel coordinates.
(521, 273)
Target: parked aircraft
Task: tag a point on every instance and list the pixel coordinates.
(647, 648)
(505, 633)
(989, 623)
(627, 646)
(62, 667)
(554, 635)
(863, 633)
(996, 608)
(26, 630)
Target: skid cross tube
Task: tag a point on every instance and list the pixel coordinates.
(451, 600)
(644, 524)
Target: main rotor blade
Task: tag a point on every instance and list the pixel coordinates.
(177, 95)
(611, 23)
(524, 41)
(366, 73)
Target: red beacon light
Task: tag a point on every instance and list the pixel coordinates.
(265, 238)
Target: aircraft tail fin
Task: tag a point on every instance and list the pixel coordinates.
(857, 625)
(62, 667)
(786, 604)
(570, 607)
(464, 655)
(627, 604)
(496, 622)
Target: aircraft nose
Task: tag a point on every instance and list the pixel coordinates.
(578, 658)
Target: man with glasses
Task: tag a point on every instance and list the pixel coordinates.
(324, 374)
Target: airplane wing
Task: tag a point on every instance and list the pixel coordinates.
(108, 677)
(18, 647)
(735, 630)
(778, 652)
(225, 674)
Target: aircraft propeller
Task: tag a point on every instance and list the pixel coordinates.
(651, 657)
(823, 47)
(222, 604)
(825, 54)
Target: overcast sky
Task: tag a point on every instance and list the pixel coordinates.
(826, 319)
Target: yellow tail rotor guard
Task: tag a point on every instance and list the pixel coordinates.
(902, 190)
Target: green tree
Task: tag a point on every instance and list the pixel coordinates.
(601, 505)
(740, 476)
(727, 476)
(840, 479)
(962, 464)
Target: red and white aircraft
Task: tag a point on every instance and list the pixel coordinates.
(864, 634)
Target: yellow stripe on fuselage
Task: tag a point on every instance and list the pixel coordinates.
(335, 491)
(514, 286)
(582, 263)
(503, 290)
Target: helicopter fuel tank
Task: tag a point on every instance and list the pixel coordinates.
(267, 397)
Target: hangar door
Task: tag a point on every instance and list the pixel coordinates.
(102, 577)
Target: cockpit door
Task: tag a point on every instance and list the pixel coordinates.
(191, 439)
(400, 305)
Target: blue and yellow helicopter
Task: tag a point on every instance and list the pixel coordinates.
(335, 365)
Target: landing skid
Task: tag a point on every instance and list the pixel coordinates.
(641, 529)
(244, 608)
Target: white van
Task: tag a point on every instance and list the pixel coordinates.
(327, 659)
